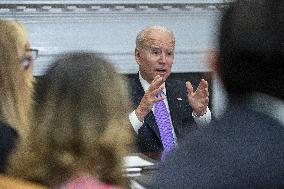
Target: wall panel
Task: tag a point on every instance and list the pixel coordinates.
(110, 27)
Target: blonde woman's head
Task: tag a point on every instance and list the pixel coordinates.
(15, 78)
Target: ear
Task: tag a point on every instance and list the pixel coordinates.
(212, 60)
(137, 56)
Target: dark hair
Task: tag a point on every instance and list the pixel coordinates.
(251, 46)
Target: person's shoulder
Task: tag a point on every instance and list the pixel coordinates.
(133, 80)
(10, 182)
(228, 142)
(87, 181)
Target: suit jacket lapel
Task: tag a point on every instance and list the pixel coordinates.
(137, 95)
(175, 101)
(137, 92)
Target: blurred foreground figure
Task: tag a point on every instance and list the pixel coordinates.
(81, 131)
(244, 148)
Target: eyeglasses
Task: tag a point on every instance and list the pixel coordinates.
(28, 59)
(34, 53)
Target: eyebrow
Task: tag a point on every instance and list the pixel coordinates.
(171, 49)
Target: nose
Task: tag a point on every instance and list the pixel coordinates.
(163, 57)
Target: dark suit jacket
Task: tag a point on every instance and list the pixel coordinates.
(148, 139)
(8, 137)
(245, 149)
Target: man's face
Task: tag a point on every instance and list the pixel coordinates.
(156, 58)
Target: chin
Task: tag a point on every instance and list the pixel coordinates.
(164, 76)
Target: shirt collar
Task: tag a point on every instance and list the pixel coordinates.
(146, 85)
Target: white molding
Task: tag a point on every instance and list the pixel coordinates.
(113, 1)
(83, 6)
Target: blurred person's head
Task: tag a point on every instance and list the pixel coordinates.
(154, 52)
(15, 75)
(251, 46)
(81, 123)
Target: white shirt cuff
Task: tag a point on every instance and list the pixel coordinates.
(203, 120)
(136, 124)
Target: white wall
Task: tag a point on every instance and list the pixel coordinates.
(110, 27)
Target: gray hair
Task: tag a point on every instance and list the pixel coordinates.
(140, 39)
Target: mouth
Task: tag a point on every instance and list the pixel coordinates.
(161, 71)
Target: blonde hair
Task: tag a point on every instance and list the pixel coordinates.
(81, 124)
(16, 85)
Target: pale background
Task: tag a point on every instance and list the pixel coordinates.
(110, 27)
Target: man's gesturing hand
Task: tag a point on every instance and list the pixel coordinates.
(199, 99)
(150, 97)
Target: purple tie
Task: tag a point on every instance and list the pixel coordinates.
(163, 121)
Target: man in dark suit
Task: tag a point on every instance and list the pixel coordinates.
(244, 147)
(154, 54)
